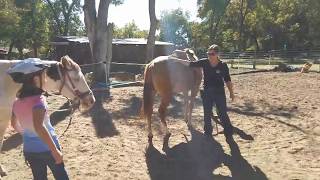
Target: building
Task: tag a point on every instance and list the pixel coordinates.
(123, 50)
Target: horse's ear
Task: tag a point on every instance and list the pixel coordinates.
(190, 51)
(65, 61)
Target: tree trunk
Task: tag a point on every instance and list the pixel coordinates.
(109, 50)
(96, 27)
(152, 31)
(10, 49)
(34, 39)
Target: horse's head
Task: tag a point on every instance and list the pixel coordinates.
(66, 78)
(186, 54)
(191, 54)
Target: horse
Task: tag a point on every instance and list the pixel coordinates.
(166, 77)
(64, 77)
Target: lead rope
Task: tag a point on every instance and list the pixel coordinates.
(70, 118)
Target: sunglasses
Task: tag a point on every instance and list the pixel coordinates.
(211, 53)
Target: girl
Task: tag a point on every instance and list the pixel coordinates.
(30, 118)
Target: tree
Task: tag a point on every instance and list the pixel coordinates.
(64, 15)
(9, 19)
(152, 31)
(130, 30)
(212, 11)
(97, 27)
(25, 14)
(175, 28)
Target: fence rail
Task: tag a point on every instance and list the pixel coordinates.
(247, 59)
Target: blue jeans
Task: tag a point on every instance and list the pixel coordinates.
(39, 162)
(217, 97)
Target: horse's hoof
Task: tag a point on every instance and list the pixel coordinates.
(165, 148)
(3, 173)
(167, 136)
(150, 139)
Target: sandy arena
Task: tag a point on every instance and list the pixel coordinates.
(277, 120)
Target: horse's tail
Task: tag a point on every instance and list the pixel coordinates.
(147, 106)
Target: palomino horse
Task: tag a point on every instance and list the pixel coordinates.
(64, 77)
(166, 77)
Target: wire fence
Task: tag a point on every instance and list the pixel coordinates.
(249, 59)
(271, 59)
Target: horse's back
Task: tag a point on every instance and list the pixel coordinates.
(168, 75)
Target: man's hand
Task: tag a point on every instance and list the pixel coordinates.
(232, 97)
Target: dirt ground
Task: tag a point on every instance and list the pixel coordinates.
(277, 136)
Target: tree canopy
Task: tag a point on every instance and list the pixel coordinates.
(236, 25)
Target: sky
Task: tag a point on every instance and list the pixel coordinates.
(137, 11)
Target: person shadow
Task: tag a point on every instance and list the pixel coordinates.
(197, 159)
(240, 168)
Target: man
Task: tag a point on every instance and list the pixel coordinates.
(215, 74)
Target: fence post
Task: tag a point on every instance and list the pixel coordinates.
(254, 60)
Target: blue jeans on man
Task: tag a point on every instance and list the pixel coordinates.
(217, 97)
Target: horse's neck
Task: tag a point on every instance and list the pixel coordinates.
(8, 88)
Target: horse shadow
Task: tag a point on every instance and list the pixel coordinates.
(102, 119)
(197, 159)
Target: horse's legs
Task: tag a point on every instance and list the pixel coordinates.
(162, 112)
(186, 106)
(190, 107)
(150, 135)
(149, 111)
(3, 127)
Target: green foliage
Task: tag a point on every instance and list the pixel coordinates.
(64, 17)
(9, 19)
(175, 28)
(130, 30)
(266, 25)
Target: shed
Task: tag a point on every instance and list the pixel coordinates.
(123, 50)
(3, 53)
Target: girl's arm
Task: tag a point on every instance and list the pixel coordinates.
(38, 117)
(15, 124)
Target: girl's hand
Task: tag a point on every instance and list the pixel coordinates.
(57, 155)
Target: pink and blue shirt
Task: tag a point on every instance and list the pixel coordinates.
(22, 109)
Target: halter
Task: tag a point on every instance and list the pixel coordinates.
(63, 73)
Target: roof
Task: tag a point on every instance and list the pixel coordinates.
(3, 51)
(64, 40)
(138, 41)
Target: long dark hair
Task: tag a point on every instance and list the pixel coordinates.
(28, 87)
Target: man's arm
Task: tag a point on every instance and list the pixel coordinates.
(227, 79)
(182, 61)
(230, 88)
(198, 63)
